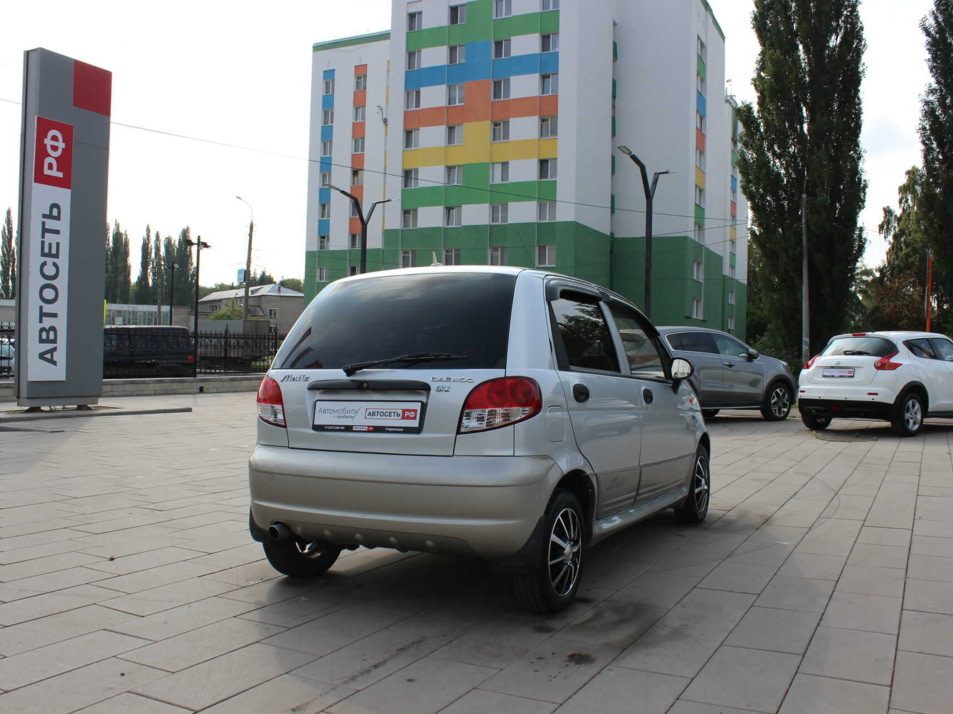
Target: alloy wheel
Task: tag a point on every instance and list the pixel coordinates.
(565, 551)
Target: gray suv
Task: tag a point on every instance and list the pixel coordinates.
(731, 375)
(507, 414)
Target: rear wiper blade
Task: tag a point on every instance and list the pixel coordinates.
(416, 357)
(856, 352)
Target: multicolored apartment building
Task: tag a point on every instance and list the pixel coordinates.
(487, 132)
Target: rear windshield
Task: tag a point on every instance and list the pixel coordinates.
(867, 345)
(466, 314)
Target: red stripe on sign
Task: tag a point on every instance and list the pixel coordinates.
(53, 164)
(92, 88)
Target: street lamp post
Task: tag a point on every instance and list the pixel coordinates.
(649, 198)
(171, 286)
(251, 230)
(199, 244)
(364, 220)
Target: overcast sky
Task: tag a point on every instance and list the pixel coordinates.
(211, 101)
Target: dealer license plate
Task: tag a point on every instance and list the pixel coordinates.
(367, 417)
(838, 372)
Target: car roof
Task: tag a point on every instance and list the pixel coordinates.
(889, 334)
(669, 329)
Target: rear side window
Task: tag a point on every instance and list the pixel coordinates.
(921, 348)
(378, 318)
(692, 342)
(584, 332)
(866, 345)
(943, 348)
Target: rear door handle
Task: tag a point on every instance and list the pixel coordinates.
(580, 392)
(648, 396)
(730, 365)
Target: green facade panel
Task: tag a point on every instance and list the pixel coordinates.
(480, 27)
(478, 190)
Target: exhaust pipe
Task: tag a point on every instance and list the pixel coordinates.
(279, 531)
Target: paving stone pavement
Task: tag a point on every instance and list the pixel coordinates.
(822, 582)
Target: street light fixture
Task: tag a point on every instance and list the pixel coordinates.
(364, 220)
(251, 230)
(649, 197)
(199, 244)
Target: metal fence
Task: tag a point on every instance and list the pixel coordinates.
(218, 352)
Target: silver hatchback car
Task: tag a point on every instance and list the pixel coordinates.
(507, 414)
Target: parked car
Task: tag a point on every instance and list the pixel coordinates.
(731, 375)
(147, 351)
(476, 411)
(900, 377)
(8, 357)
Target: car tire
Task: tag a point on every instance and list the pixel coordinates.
(551, 584)
(816, 422)
(694, 508)
(299, 559)
(709, 413)
(908, 419)
(777, 401)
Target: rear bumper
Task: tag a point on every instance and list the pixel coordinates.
(477, 506)
(844, 409)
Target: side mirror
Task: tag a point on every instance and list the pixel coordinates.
(753, 354)
(681, 370)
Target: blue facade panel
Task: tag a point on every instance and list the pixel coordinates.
(324, 227)
(549, 62)
(427, 77)
(326, 132)
(324, 195)
(325, 164)
(328, 74)
(514, 66)
(734, 183)
(700, 103)
(327, 101)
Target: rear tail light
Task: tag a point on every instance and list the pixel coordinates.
(885, 363)
(810, 362)
(500, 402)
(271, 407)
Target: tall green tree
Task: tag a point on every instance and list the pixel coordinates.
(118, 272)
(143, 291)
(8, 259)
(936, 137)
(184, 269)
(804, 137)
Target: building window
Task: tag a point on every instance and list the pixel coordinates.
(451, 256)
(357, 145)
(353, 213)
(324, 242)
(546, 212)
(360, 82)
(458, 14)
(548, 127)
(409, 218)
(500, 172)
(452, 216)
(454, 95)
(325, 148)
(497, 256)
(329, 86)
(697, 313)
(354, 241)
(499, 213)
(731, 324)
(415, 21)
(359, 113)
(454, 175)
(353, 270)
(501, 88)
(699, 234)
(357, 177)
(326, 178)
(458, 54)
(700, 84)
(501, 49)
(502, 8)
(698, 272)
(700, 121)
(699, 197)
(731, 297)
(454, 134)
(501, 130)
(406, 259)
(410, 178)
(731, 271)
(322, 274)
(412, 99)
(411, 138)
(324, 210)
(549, 84)
(545, 255)
(413, 60)
(272, 313)
(550, 43)
(547, 169)
(550, 5)
(702, 51)
(327, 117)
(700, 158)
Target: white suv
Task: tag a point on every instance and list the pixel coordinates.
(502, 413)
(900, 377)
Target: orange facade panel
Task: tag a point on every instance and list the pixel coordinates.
(354, 225)
(435, 116)
(357, 129)
(360, 97)
(357, 161)
(360, 69)
(699, 139)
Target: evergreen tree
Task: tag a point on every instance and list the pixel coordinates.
(936, 137)
(184, 271)
(143, 293)
(8, 259)
(804, 137)
(158, 271)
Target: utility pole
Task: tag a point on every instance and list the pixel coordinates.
(251, 230)
(199, 244)
(171, 287)
(649, 191)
